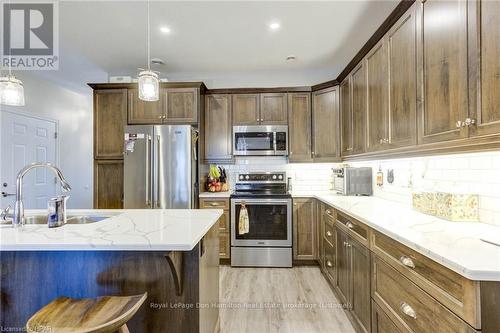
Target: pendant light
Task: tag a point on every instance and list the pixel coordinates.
(11, 89)
(149, 84)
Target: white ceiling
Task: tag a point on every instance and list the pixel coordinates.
(225, 44)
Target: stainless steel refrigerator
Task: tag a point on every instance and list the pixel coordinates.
(160, 167)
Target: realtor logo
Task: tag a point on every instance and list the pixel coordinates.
(30, 35)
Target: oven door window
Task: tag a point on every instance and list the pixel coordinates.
(254, 141)
(267, 222)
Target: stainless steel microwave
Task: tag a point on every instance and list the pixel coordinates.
(258, 140)
(353, 181)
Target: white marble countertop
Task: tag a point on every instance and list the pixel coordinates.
(225, 195)
(125, 230)
(456, 245)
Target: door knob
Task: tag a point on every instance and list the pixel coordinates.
(5, 194)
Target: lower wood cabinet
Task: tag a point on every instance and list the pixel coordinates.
(353, 278)
(108, 184)
(304, 229)
(381, 323)
(224, 224)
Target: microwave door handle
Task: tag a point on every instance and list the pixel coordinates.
(274, 142)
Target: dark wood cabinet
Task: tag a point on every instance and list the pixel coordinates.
(402, 55)
(484, 60)
(353, 278)
(246, 109)
(360, 289)
(224, 223)
(304, 229)
(180, 105)
(346, 121)
(141, 112)
(381, 323)
(108, 184)
(273, 109)
(358, 105)
(343, 267)
(299, 127)
(442, 70)
(325, 125)
(377, 81)
(218, 128)
(110, 118)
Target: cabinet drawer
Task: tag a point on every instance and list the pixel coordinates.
(329, 233)
(408, 305)
(224, 245)
(214, 203)
(457, 293)
(224, 221)
(358, 230)
(329, 261)
(329, 212)
(381, 323)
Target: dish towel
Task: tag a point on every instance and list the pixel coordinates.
(243, 223)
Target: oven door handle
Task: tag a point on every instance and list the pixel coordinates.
(261, 201)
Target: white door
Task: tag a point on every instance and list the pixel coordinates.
(26, 140)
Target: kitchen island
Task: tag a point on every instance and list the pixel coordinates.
(170, 254)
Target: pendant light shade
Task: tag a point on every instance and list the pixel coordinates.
(149, 86)
(11, 91)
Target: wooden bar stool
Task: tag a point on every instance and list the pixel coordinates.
(86, 315)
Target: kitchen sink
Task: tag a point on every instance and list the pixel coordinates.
(71, 219)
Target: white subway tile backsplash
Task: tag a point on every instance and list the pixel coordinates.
(477, 173)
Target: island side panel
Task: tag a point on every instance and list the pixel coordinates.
(32, 279)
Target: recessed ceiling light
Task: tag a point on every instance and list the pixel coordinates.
(165, 30)
(274, 26)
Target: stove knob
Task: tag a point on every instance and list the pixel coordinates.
(274, 177)
(242, 177)
(280, 177)
(247, 177)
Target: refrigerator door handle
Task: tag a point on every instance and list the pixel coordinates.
(148, 171)
(157, 172)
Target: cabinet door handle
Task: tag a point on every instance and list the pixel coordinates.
(329, 234)
(213, 204)
(470, 121)
(408, 310)
(329, 263)
(345, 244)
(459, 124)
(407, 261)
(329, 212)
(349, 225)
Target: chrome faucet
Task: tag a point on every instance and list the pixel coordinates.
(18, 216)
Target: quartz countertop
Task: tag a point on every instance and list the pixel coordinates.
(219, 195)
(456, 245)
(124, 230)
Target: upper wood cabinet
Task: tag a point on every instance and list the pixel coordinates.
(402, 54)
(273, 109)
(260, 109)
(377, 97)
(346, 128)
(110, 119)
(442, 70)
(325, 125)
(358, 105)
(484, 60)
(218, 127)
(299, 127)
(304, 230)
(180, 105)
(141, 112)
(246, 109)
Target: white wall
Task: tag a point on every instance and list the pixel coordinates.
(73, 112)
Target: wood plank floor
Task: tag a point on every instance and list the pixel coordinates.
(279, 300)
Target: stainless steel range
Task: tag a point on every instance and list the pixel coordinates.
(266, 239)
